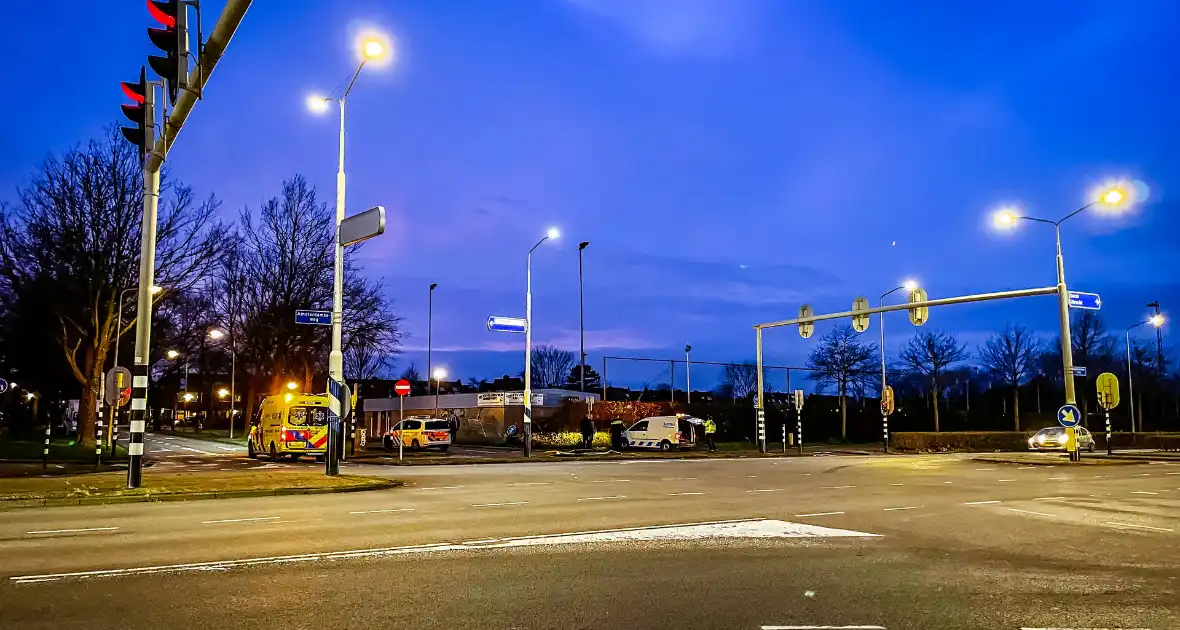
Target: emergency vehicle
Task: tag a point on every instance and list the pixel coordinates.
(419, 432)
(290, 424)
(663, 432)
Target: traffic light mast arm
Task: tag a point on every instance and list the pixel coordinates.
(223, 32)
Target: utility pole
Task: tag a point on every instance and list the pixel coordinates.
(581, 323)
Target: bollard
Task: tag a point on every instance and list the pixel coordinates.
(45, 453)
(799, 432)
(1108, 448)
(885, 432)
(98, 446)
(784, 438)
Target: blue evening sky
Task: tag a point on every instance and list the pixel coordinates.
(729, 160)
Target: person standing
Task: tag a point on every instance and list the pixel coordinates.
(710, 430)
(587, 432)
(616, 434)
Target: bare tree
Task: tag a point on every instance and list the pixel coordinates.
(930, 354)
(73, 239)
(740, 379)
(411, 374)
(844, 362)
(551, 365)
(1010, 357)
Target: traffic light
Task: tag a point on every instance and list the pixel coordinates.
(173, 40)
(142, 113)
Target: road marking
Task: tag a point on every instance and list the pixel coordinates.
(1031, 512)
(228, 448)
(195, 450)
(1026, 468)
(1060, 628)
(1049, 499)
(1141, 475)
(1058, 478)
(1099, 477)
(751, 476)
(686, 494)
(617, 496)
(1118, 524)
(983, 469)
(835, 487)
(532, 483)
(678, 478)
(441, 488)
(1143, 492)
(1172, 473)
(980, 502)
(817, 514)
(610, 480)
(73, 531)
(908, 507)
(483, 505)
(766, 490)
(897, 484)
(1004, 480)
(242, 520)
(823, 627)
(383, 511)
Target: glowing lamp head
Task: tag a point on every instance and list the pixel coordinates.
(1156, 320)
(216, 334)
(30, 395)
(172, 354)
(1113, 197)
(291, 385)
(187, 397)
(288, 397)
(439, 373)
(373, 49)
(317, 103)
(222, 393)
(155, 290)
(553, 233)
(1005, 218)
(910, 285)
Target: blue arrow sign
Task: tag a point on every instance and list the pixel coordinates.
(507, 324)
(1091, 301)
(3, 386)
(1069, 416)
(317, 318)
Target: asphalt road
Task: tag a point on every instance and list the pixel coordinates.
(893, 542)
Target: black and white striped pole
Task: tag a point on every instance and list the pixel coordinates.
(1108, 448)
(98, 443)
(45, 451)
(758, 403)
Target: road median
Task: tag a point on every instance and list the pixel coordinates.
(1061, 459)
(103, 488)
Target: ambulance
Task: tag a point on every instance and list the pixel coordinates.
(290, 425)
(663, 432)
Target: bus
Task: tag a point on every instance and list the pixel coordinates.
(290, 425)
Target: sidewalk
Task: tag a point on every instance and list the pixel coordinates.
(182, 486)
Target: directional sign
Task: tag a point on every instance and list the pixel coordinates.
(402, 387)
(1090, 301)
(799, 400)
(806, 328)
(117, 390)
(919, 314)
(341, 393)
(3, 386)
(507, 324)
(363, 226)
(888, 403)
(1078, 370)
(1069, 416)
(317, 318)
(1108, 390)
(860, 322)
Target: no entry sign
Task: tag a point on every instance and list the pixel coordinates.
(402, 387)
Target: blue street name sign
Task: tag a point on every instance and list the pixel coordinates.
(1069, 416)
(1091, 301)
(506, 324)
(316, 318)
(1079, 370)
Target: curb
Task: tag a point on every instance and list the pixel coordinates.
(1061, 462)
(15, 504)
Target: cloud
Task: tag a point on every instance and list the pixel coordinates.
(596, 340)
(698, 28)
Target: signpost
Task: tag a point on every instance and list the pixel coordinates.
(860, 321)
(3, 386)
(117, 389)
(1107, 385)
(507, 324)
(888, 405)
(402, 387)
(799, 419)
(1089, 301)
(363, 226)
(1069, 417)
(315, 318)
(918, 314)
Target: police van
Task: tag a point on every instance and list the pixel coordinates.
(663, 432)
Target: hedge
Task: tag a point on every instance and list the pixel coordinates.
(960, 441)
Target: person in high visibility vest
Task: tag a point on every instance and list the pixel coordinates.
(710, 429)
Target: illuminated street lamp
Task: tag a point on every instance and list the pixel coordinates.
(909, 286)
(222, 393)
(172, 354)
(292, 385)
(438, 375)
(216, 334)
(1155, 321)
(552, 233)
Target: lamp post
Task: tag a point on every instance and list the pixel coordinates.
(438, 375)
(553, 233)
(581, 323)
(429, 332)
(1156, 320)
(217, 334)
(1113, 196)
(909, 286)
(687, 374)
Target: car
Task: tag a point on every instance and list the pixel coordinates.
(662, 432)
(418, 433)
(1053, 439)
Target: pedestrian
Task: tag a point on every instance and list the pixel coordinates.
(710, 429)
(587, 432)
(616, 434)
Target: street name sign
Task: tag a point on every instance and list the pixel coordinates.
(315, 318)
(363, 226)
(1090, 301)
(507, 324)
(1108, 390)
(1069, 415)
(1079, 370)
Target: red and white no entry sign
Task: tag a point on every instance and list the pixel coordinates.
(402, 387)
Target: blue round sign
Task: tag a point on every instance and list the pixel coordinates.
(1069, 416)
(3, 386)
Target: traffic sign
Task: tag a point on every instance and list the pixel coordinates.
(888, 404)
(363, 226)
(1108, 390)
(507, 324)
(340, 391)
(860, 322)
(402, 387)
(1090, 301)
(3, 386)
(315, 318)
(117, 386)
(806, 328)
(1078, 370)
(918, 314)
(1069, 416)
(799, 400)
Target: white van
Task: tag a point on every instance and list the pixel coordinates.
(663, 432)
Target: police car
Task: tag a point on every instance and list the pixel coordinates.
(663, 433)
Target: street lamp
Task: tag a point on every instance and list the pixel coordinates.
(1112, 196)
(292, 385)
(372, 48)
(581, 323)
(1156, 320)
(553, 234)
(222, 393)
(909, 286)
(172, 354)
(438, 375)
(429, 332)
(216, 334)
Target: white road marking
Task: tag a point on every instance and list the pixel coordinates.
(228, 448)
(1049, 499)
(610, 480)
(441, 488)
(983, 469)
(948, 482)
(817, 514)
(678, 478)
(980, 502)
(823, 627)
(751, 476)
(242, 520)
(383, 511)
(686, 494)
(617, 496)
(835, 487)
(532, 483)
(1004, 480)
(1026, 468)
(1141, 475)
(1118, 524)
(195, 450)
(1099, 477)
(484, 505)
(1031, 512)
(1172, 473)
(1143, 492)
(908, 507)
(766, 490)
(897, 484)
(72, 531)
(1059, 628)
(1058, 478)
